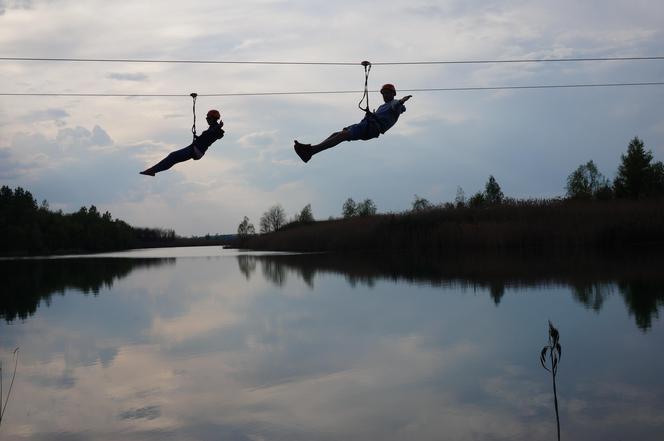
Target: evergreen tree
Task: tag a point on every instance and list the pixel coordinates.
(26, 228)
(637, 177)
(492, 192)
(306, 215)
(477, 200)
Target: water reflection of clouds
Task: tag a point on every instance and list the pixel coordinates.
(215, 353)
(201, 304)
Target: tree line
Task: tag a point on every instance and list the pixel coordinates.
(638, 177)
(28, 228)
(274, 218)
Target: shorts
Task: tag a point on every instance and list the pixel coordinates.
(363, 130)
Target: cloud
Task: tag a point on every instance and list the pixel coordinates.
(13, 167)
(100, 137)
(78, 166)
(258, 139)
(128, 76)
(53, 114)
(147, 413)
(82, 138)
(8, 168)
(14, 4)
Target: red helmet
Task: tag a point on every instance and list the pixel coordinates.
(388, 86)
(213, 114)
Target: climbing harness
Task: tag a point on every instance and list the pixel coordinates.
(193, 127)
(367, 69)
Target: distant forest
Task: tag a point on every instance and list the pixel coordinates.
(27, 228)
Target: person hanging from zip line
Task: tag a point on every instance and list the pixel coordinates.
(196, 149)
(372, 125)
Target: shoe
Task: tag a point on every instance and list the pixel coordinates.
(303, 151)
(147, 172)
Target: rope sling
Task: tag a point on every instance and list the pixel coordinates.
(193, 127)
(365, 95)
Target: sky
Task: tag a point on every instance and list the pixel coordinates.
(82, 151)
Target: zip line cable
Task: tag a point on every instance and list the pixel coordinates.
(331, 63)
(363, 63)
(329, 92)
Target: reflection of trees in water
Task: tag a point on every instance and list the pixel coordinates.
(354, 280)
(592, 279)
(247, 265)
(497, 291)
(274, 272)
(643, 300)
(592, 295)
(28, 282)
(642, 297)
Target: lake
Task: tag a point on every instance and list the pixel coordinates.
(207, 344)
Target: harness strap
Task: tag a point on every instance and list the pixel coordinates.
(193, 127)
(365, 95)
(371, 117)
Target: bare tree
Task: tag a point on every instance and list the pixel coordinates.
(366, 208)
(273, 219)
(421, 204)
(246, 228)
(460, 198)
(349, 208)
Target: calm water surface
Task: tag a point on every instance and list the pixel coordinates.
(207, 344)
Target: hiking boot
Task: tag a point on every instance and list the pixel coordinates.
(303, 151)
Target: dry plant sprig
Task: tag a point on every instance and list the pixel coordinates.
(3, 408)
(554, 350)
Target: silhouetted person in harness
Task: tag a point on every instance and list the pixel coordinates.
(196, 149)
(372, 125)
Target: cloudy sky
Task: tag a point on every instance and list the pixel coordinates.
(89, 150)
